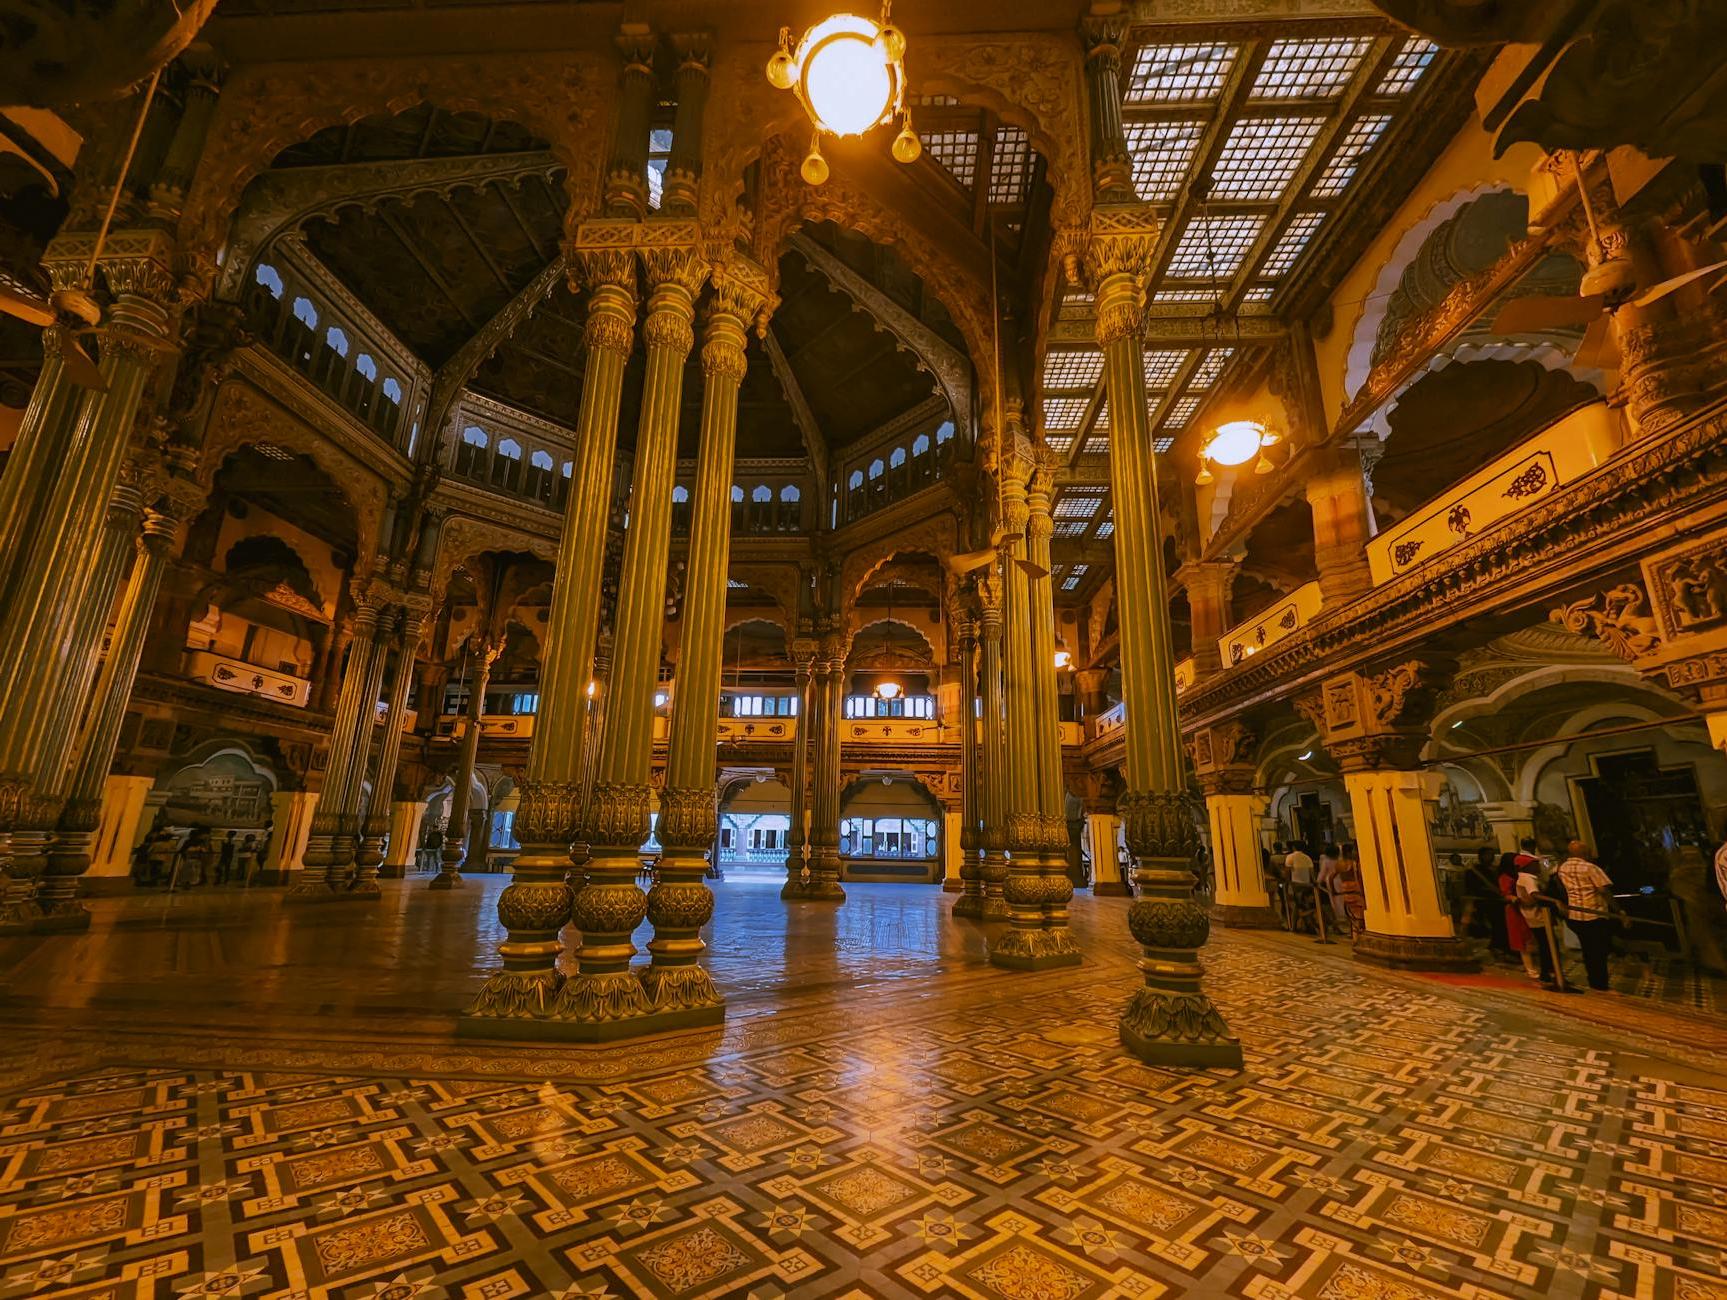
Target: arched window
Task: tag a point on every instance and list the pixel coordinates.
(920, 444)
(507, 465)
(538, 481)
(897, 458)
(876, 470)
(856, 480)
(305, 313)
(563, 486)
(270, 278)
(737, 508)
(790, 498)
(944, 432)
(336, 340)
(761, 508)
(393, 391)
(855, 495)
(471, 452)
(680, 509)
(369, 368)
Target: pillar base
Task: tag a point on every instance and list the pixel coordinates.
(1169, 1051)
(819, 891)
(1416, 952)
(305, 893)
(1112, 889)
(1034, 950)
(1236, 917)
(446, 880)
(952, 885)
(1178, 1028)
(388, 872)
(968, 907)
(20, 918)
(542, 1029)
(63, 919)
(995, 909)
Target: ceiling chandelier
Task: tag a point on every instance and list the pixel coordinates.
(849, 74)
(887, 689)
(1235, 443)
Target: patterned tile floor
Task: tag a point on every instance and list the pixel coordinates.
(883, 1115)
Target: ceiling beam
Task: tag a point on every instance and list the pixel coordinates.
(805, 419)
(950, 366)
(454, 374)
(436, 276)
(474, 242)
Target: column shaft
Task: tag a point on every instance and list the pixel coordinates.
(462, 779)
(824, 882)
(1240, 897)
(970, 900)
(536, 905)
(329, 846)
(680, 903)
(611, 904)
(797, 837)
(1169, 1019)
(992, 870)
(376, 827)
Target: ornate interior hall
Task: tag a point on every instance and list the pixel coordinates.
(1039, 650)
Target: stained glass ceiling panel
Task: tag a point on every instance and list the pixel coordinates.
(1262, 156)
(1179, 74)
(1309, 69)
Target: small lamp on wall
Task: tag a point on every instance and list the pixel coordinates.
(1235, 443)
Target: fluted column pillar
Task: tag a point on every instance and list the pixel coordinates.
(536, 904)
(992, 868)
(1169, 1020)
(1208, 584)
(627, 173)
(1052, 787)
(680, 902)
(604, 990)
(449, 876)
(803, 652)
(684, 167)
(376, 826)
(61, 908)
(970, 900)
(1037, 889)
(329, 844)
(63, 474)
(824, 885)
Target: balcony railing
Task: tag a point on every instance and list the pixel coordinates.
(1114, 718)
(891, 731)
(1531, 470)
(1284, 618)
(1185, 676)
(757, 729)
(493, 726)
(248, 679)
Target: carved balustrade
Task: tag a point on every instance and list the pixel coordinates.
(1286, 617)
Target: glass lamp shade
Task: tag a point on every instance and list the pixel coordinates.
(1063, 659)
(848, 79)
(887, 690)
(1235, 443)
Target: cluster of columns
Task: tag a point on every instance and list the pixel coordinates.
(814, 876)
(983, 754)
(608, 996)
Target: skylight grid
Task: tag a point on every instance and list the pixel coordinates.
(1106, 529)
(1061, 443)
(1072, 369)
(1064, 413)
(956, 151)
(1363, 134)
(1071, 582)
(1096, 445)
(1210, 368)
(1309, 69)
(1293, 242)
(1161, 445)
(1177, 297)
(1181, 413)
(1407, 67)
(1161, 153)
(1179, 74)
(1260, 293)
(1070, 527)
(1010, 167)
(1101, 423)
(1214, 246)
(1078, 503)
(1262, 156)
(1162, 365)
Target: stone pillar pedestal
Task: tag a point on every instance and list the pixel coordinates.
(406, 818)
(1106, 878)
(1240, 898)
(291, 826)
(1407, 926)
(124, 816)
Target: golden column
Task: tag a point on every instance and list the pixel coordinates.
(824, 882)
(330, 843)
(803, 655)
(611, 905)
(1028, 943)
(992, 870)
(78, 823)
(57, 590)
(536, 904)
(484, 655)
(376, 826)
(1170, 1020)
(970, 901)
(680, 902)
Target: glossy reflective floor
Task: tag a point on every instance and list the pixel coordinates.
(220, 1096)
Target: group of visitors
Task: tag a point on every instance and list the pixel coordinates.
(1577, 892)
(1305, 892)
(183, 861)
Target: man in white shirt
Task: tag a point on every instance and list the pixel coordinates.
(1538, 915)
(1298, 865)
(1589, 903)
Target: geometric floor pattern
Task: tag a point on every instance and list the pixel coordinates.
(1391, 1138)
